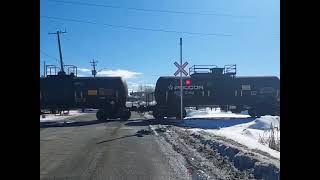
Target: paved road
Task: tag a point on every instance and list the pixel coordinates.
(85, 148)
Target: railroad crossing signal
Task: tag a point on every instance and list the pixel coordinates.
(181, 68)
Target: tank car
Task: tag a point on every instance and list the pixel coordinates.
(67, 91)
(211, 86)
(108, 94)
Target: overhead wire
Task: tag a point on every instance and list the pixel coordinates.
(135, 28)
(148, 10)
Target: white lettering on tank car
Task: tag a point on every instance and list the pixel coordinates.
(253, 93)
(188, 87)
(246, 87)
(189, 92)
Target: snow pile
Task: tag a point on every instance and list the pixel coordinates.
(265, 122)
(152, 103)
(148, 115)
(220, 157)
(250, 134)
(214, 113)
(57, 117)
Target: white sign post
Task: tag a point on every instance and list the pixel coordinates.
(181, 70)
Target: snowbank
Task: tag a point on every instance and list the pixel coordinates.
(201, 147)
(214, 113)
(265, 122)
(249, 133)
(213, 123)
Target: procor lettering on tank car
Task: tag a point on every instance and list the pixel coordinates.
(67, 91)
(211, 86)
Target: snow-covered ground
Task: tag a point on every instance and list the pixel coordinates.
(238, 127)
(58, 117)
(218, 157)
(214, 113)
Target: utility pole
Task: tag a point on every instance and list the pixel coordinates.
(93, 64)
(58, 34)
(181, 88)
(44, 68)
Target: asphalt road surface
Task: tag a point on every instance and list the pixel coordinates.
(84, 148)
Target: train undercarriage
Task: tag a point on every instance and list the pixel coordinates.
(162, 111)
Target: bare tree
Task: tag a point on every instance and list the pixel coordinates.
(140, 88)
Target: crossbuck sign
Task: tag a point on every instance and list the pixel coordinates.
(181, 68)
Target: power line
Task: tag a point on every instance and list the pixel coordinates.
(148, 10)
(135, 28)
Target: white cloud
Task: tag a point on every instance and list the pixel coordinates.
(126, 74)
(152, 85)
(132, 84)
(83, 75)
(83, 70)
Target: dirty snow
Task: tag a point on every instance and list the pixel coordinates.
(202, 161)
(148, 115)
(248, 133)
(57, 117)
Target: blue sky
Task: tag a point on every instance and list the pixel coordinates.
(142, 56)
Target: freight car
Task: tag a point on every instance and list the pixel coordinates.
(108, 94)
(56, 92)
(209, 86)
(65, 91)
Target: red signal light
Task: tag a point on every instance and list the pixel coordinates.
(188, 82)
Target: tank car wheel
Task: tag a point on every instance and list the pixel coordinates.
(101, 115)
